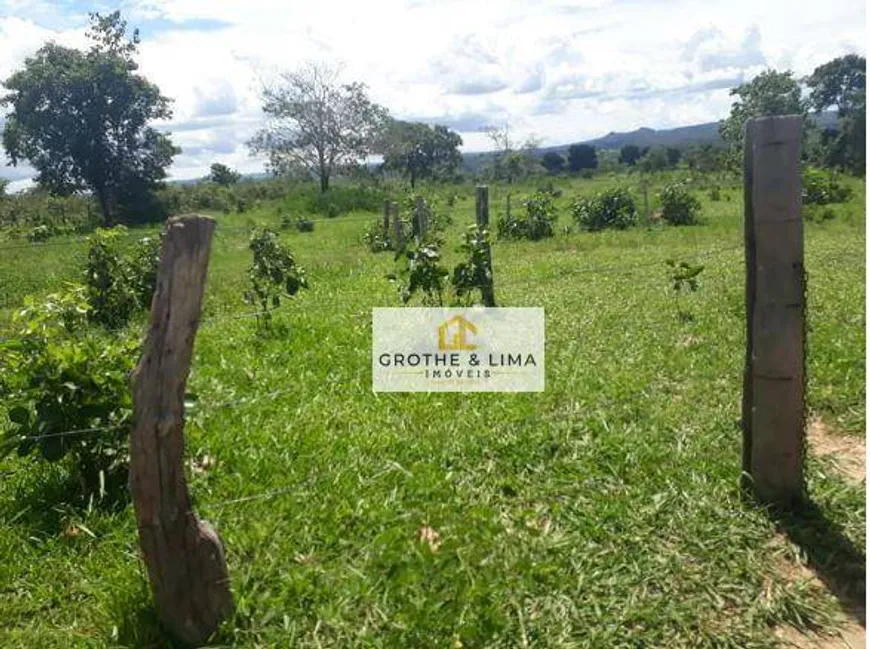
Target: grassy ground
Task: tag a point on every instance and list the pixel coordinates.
(603, 512)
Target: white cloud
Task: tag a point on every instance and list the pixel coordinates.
(566, 71)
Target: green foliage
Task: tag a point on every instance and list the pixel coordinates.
(376, 237)
(655, 159)
(715, 193)
(119, 285)
(39, 233)
(582, 156)
(683, 277)
(343, 199)
(630, 154)
(420, 151)
(273, 274)
(221, 174)
(553, 162)
(473, 272)
(304, 225)
(611, 208)
(538, 223)
(679, 206)
(769, 93)
(422, 273)
(59, 375)
(80, 119)
(819, 187)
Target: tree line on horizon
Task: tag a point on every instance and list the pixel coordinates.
(82, 120)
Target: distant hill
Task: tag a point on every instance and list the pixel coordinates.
(677, 138)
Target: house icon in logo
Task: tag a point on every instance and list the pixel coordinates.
(453, 334)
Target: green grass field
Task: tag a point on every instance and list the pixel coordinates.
(604, 512)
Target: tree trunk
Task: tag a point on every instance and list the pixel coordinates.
(103, 201)
(324, 181)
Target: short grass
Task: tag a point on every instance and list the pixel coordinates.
(604, 512)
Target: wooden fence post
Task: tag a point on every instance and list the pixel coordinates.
(773, 381)
(184, 556)
(397, 226)
(482, 207)
(386, 219)
(419, 217)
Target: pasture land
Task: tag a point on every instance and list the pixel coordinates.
(604, 512)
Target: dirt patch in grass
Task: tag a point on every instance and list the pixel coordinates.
(845, 451)
(850, 636)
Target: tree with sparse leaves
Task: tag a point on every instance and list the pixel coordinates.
(317, 124)
(81, 120)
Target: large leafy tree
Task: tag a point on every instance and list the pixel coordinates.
(317, 124)
(420, 151)
(582, 156)
(769, 93)
(630, 154)
(553, 162)
(222, 175)
(842, 82)
(81, 120)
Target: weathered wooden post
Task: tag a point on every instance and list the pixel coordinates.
(482, 207)
(183, 555)
(773, 382)
(398, 238)
(386, 220)
(419, 217)
(644, 183)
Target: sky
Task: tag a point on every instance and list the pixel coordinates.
(556, 70)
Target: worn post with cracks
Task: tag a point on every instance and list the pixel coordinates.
(183, 555)
(774, 375)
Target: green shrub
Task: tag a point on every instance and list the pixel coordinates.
(611, 208)
(39, 233)
(715, 194)
(473, 273)
(538, 223)
(679, 206)
(822, 188)
(376, 238)
(117, 284)
(59, 375)
(422, 272)
(273, 274)
(304, 225)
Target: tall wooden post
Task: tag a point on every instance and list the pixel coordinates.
(397, 226)
(482, 213)
(773, 383)
(183, 555)
(419, 217)
(386, 219)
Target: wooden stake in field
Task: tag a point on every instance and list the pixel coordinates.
(386, 220)
(773, 385)
(183, 555)
(420, 220)
(482, 207)
(398, 236)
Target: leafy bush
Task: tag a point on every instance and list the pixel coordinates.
(715, 194)
(473, 273)
(304, 225)
(39, 233)
(59, 375)
(822, 188)
(376, 238)
(679, 206)
(273, 274)
(119, 285)
(538, 223)
(611, 208)
(422, 272)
